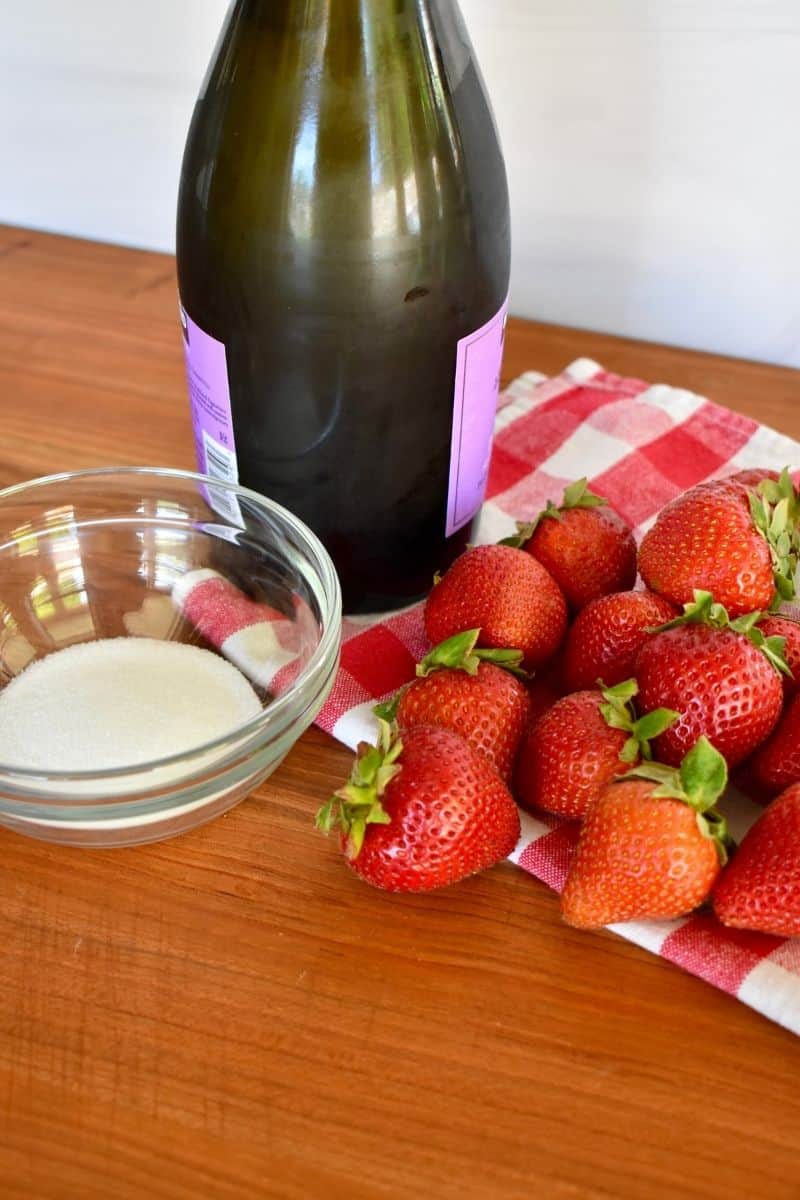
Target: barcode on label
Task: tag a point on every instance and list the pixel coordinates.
(221, 464)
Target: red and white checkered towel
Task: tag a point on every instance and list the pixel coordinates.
(640, 445)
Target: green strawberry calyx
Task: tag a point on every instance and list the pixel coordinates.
(457, 653)
(460, 653)
(618, 713)
(704, 610)
(357, 803)
(775, 509)
(576, 495)
(699, 782)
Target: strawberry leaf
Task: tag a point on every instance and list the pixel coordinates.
(577, 495)
(704, 775)
(459, 653)
(365, 768)
(455, 652)
(618, 712)
(509, 660)
(616, 719)
(620, 691)
(667, 779)
(773, 648)
(525, 531)
(550, 510)
(357, 804)
(747, 622)
(785, 587)
(699, 782)
(713, 825)
(758, 511)
(775, 511)
(355, 836)
(387, 709)
(704, 610)
(701, 610)
(654, 723)
(327, 816)
(630, 752)
(779, 523)
(377, 814)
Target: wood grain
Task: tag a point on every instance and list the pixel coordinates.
(232, 1014)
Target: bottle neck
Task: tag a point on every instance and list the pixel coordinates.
(293, 16)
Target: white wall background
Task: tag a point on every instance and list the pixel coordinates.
(652, 149)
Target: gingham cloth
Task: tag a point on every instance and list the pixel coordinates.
(640, 445)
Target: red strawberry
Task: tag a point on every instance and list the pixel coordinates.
(543, 695)
(751, 477)
(421, 812)
(583, 543)
(579, 745)
(776, 763)
(760, 887)
(721, 676)
(651, 846)
(727, 539)
(504, 593)
(790, 632)
(607, 634)
(462, 689)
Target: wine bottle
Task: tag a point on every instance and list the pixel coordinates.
(343, 263)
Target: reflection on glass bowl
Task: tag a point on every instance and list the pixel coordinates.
(98, 554)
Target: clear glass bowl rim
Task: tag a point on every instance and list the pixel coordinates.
(282, 712)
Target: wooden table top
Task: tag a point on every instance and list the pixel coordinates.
(232, 1014)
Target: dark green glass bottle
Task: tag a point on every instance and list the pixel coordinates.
(343, 264)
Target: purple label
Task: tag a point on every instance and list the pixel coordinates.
(478, 360)
(210, 397)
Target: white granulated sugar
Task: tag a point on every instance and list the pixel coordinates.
(117, 702)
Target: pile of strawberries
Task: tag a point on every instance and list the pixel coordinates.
(555, 686)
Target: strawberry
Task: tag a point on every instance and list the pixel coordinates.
(579, 745)
(789, 630)
(721, 675)
(543, 694)
(776, 763)
(723, 537)
(751, 477)
(421, 812)
(652, 845)
(760, 887)
(583, 543)
(607, 634)
(507, 595)
(464, 689)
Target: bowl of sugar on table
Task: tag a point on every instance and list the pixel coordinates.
(165, 639)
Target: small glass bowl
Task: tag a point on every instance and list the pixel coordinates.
(97, 554)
